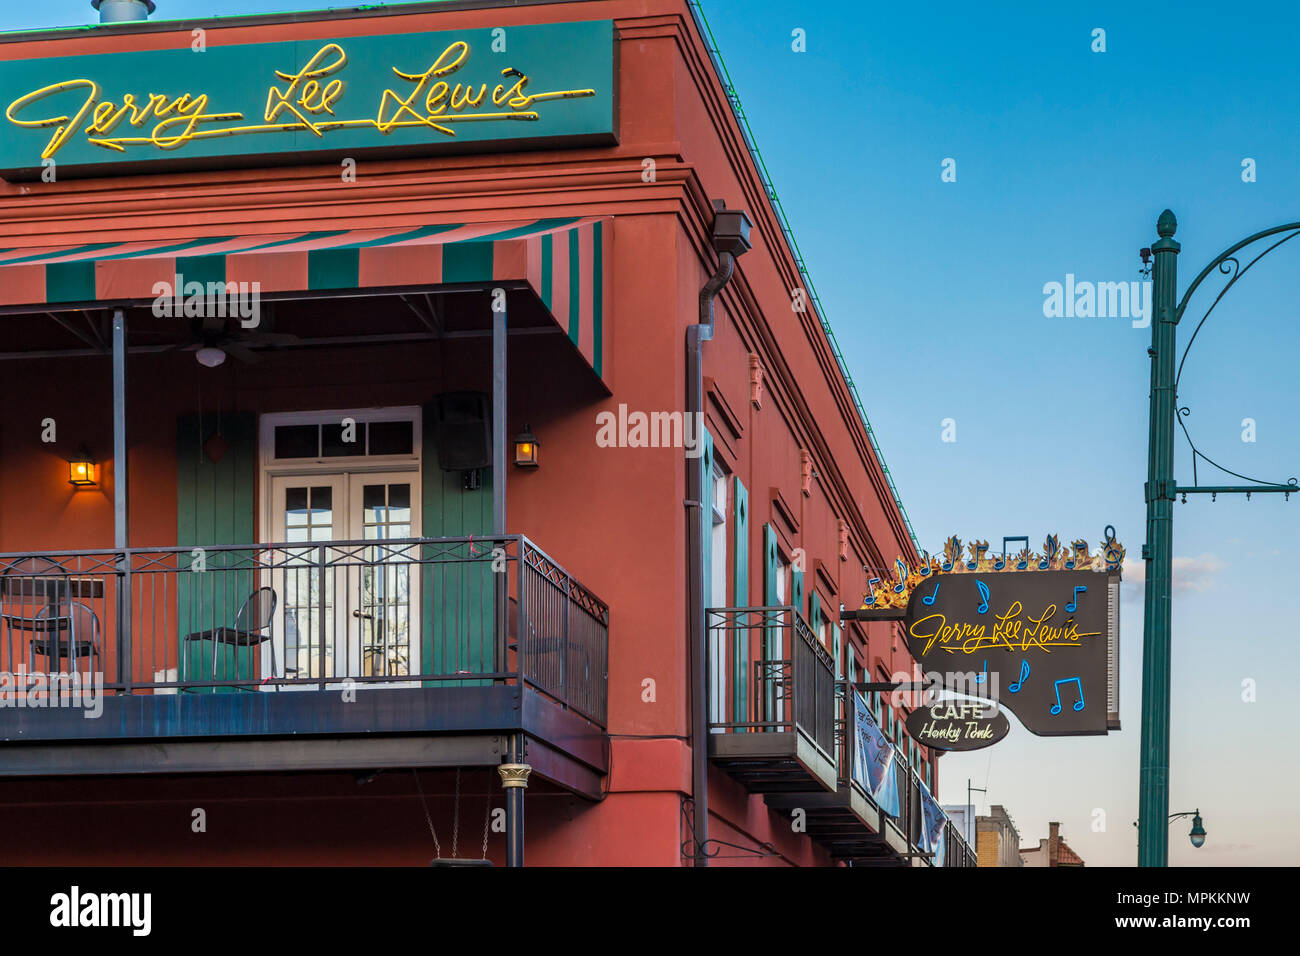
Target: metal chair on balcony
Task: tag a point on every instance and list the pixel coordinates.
(36, 592)
(80, 624)
(252, 627)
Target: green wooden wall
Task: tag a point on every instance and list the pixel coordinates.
(214, 505)
(457, 607)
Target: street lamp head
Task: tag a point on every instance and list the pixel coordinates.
(1197, 834)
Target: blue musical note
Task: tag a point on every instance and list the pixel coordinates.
(902, 576)
(1024, 676)
(928, 599)
(871, 592)
(1056, 709)
(1020, 566)
(984, 593)
(1074, 602)
(926, 570)
(982, 677)
(979, 553)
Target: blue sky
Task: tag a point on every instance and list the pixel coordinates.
(1064, 159)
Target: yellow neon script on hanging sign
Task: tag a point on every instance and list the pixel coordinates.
(1008, 631)
(307, 103)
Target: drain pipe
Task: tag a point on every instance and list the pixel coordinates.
(730, 238)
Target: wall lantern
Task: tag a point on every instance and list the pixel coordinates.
(82, 470)
(526, 448)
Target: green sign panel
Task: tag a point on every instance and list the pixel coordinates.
(309, 100)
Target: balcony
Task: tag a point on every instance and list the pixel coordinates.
(296, 656)
(772, 706)
(780, 724)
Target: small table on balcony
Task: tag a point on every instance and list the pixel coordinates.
(57, 590)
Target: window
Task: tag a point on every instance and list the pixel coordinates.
(345, 437)
(718, 594)
(837, 634)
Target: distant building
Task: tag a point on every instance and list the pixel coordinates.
(997, 841)
(1053, 851)
(957, 814)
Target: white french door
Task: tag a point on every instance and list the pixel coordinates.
(349, 610)
(384, 637)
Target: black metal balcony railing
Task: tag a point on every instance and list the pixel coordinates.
(909, 820)
(957, 851)
(769, 674)
(422, 612)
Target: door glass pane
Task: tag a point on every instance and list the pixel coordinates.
(385, 612)
(308, 592)
(295, 507)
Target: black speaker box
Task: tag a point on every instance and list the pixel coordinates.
(462, 430)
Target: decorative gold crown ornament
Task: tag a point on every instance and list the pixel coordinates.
(896, 591)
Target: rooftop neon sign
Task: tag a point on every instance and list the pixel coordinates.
(531, 85)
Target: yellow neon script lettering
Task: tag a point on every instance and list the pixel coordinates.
(312, 98)
(1008, 631)
(306, 103)
(448, 62)
(66, 124)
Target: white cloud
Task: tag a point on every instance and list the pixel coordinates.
(1190, 573)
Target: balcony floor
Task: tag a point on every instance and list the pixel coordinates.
(305, 730)
(773, 762)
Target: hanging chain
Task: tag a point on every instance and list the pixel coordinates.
(432, 832)
(455, 818)
(487, 814)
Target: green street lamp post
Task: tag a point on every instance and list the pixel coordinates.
(1153, 802)
(1197, 832)
(1161, 491)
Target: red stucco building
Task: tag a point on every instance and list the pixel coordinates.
(417, 496)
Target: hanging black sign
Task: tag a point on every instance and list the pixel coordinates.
(957, 725)
(1035, 641)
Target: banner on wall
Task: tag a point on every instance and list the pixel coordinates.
(932, 821)
(873, 758)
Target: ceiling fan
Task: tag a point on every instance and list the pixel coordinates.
(216, 340)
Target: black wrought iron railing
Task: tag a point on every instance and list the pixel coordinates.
(768, 673)
(957, 852)
(909, 821)
(311, 615)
